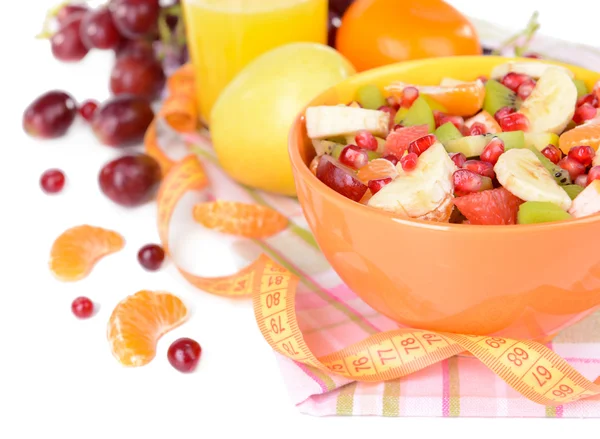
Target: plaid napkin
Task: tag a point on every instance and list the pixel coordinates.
(331, 316)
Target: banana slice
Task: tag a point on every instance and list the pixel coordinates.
(551, 104)
(426, 192)
(341, 120)
(587, 202)
(524, 175)
(535, 69)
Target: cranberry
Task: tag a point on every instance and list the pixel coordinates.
(409, 161)
(503, 112)
(376, 185)
(82, 307)
(409, 95)
(87, 110)
(366, 140)
(485, 169)
(552, 153)
(391, 158)
(581, 180)
(354, 157)
(584, 112)
(514, 122)
(513, 80)
(572, 166)
(391, 112)
(492, 152)
(526, 88)
(583, 154)
(594, 174)
(459, 159)
(466, 182)
(52, 181)
(477, 129)
(151, 257)
(422, 144)
(588, 99)
(184, 354)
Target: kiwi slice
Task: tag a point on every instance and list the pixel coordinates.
(369, 96)
(541, 140)
(419, 113)
(434, 105)
(400, 114)
(337, 150)
(447, 132)
(560, 175)
(533, 212)
(324, 146)
(498, 96)
(470, 146)
(582, 89)
(573, 190)
(511, 139)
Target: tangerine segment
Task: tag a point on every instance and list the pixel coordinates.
(75, 252)
(459, 99)
(586, 134)
(235, 218)
(376, 169)
(137, 323)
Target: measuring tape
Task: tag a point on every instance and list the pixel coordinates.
(530, 368)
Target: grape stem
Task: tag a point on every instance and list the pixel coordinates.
(525, 36)
(50, 15)
(167, 37)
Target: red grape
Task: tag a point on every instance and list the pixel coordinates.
(141, 48)
(184, 354)
(98, 30)
(136, 18)
(69, 11)
(50, 115)
(82, 307)
(151, 257)
(122, 120)
(137, 76)
(66, 44)
(130, 180)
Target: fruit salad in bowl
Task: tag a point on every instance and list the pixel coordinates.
(458, 194)
(515, 147)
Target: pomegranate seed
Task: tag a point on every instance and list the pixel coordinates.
(552, 153)
(82, 307)
(391, 112)
(513, 80)
(581, 180)
(422, 144)
(503, 112)
(366, 140)
(151, 257)
(526, 88)
(437, 117)
(514, 122)
(572, 166)
(594, 174)
(88, 109)
(52, 181)
(459, 159)
(376, 185)
(409, 161)
(457, 121)
(477, 129)
(485, 169)
(392, 102)
(588, 99)
(482, 78)
(391, 158)
(354, 157)
(583, 154)
(466, 182)
(584, 112)
(184, 354)
(397, 127)
(493, 150)
(409, 95)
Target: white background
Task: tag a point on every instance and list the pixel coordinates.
(57, 376)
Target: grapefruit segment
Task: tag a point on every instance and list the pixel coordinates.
(398, 140)
(377, 169)
(490, 207)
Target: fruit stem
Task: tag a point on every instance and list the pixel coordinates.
(52, 12)
(527, 33)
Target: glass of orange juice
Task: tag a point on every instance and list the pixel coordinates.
(225, 35)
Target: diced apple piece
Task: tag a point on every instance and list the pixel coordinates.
(339, 120)
(587, 202)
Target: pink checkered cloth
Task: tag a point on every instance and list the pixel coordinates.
(332, 317)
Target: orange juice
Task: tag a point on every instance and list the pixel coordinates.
(225, 35)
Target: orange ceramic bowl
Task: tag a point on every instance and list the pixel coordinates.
(523, 281)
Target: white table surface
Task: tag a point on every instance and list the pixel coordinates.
(57, 375)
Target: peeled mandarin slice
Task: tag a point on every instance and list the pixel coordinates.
(376, 169)
(586, 134)
(137, 323)
(459, 98)
(75, 252)
(235, 218)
